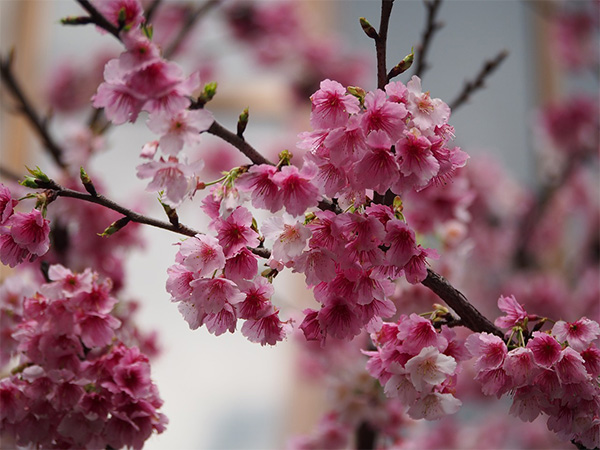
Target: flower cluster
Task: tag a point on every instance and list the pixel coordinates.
(555, 373)
(377, 141)
(418, 364)
(77, 385)
(23, 236)
(219, 301)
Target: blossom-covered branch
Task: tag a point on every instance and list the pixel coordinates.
(477, 83)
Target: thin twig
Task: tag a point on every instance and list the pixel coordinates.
(470, 87)
(188, 25)
(25, 106)
(431, 26)
(469, 315)
(61, 191)
(98, 19)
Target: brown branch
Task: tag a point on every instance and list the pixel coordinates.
(250, 152)
(472, 86)
(61, 191)
(98, 19)
(469, 315)
(431, 26)
(25, 106)
(381, 43)
(191, 20)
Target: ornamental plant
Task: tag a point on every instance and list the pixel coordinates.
(376, 208)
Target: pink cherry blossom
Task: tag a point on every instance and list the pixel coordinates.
(401, 240)
(297, 192)
(11, 253)
(339, 318)
(241, 266)
(7, 203)
(416, 157)
(434, 406)
(520, 365)
(31, 231)
(570, 367)
(578, 334)
(545, 348)
(429, 368)
(417, 333)
(378, 168)
(222, 321)
(213, 294)
(176, 178)
(317, 264)
(236, 232)
(266, 328)
(289, 237)
(202, 254)
(132, 11)
(265, 192)
(415, 269)
(257, 298)
(119, 102)
(489, 349)
(426, 112)
(331, 106)
(381, 115)
(179, 129)
(515, 313)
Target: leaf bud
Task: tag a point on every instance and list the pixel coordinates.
(242, 123)
(115, 226)
(87, 182)
(368, 28)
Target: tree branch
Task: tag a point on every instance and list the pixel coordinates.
(250, 152)
(431, 26)
(25, 106)
(469, 315)
(61, 191)
(470, 87)
(381, 43)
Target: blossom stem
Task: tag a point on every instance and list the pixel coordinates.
(431, 26)
(477, 83)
